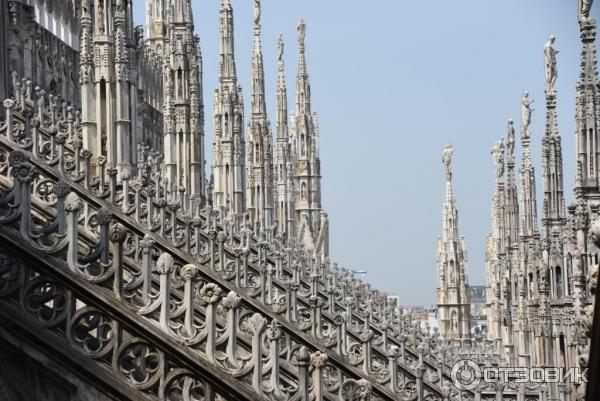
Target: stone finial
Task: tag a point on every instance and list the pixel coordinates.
(118, 233)
(146, 243)
(189, 272)
(104, 216)
(257, 323)
(231, 301)
(17, 157)
(164, 264)
(72, 202)
(210, 294)
(303, 357)
(318, 359)
(274, 330)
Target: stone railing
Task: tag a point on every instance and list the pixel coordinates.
(165, 210)
(359, 336)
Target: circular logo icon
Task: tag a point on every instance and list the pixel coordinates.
(466, 374)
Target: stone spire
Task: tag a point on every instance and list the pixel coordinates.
(553, 213)
(498, 247)
(227, 73)
(310, 217)
(86, 79)
(512, 198)
(587, 115)
(259, 154)
(107, 83)
(528, 208)
(453, 298)
(499, 218)
(184, 134)
(125, 141)
(284, 184)
(228, 144)
(156, 24)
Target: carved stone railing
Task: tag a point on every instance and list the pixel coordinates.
(165, 210)
(280, 286)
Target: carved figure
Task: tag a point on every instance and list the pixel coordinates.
(498, 155)
(100, 21)
(526, 112)
(280, 48)
(256, 12)
(584, 9)
(550, 65)
(447, 160)
(510, 144)
(301, 31)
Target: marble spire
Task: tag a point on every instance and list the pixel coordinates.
(107, 83)
(259, 142)
(228, 144)
(588, 114)
(512, 197)
(284, 184)
(156, 24)
(528, 207)
(311, 219)
(553, 213)
(184, 131)
(227, 66)
(453, 298)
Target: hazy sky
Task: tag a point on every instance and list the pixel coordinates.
(393, 82)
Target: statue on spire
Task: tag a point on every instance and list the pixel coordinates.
(256, 13)
(100, 17)
(301, 31)
(526, 111)
(550, 66)
(498, 155)
(584, 9)
(447, 160)
(510, 144)
(85, 7)
(280, 47)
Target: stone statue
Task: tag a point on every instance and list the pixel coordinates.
(447, 160)
(550, 65)
(85, 7)
(280, 47)
(100, 21)
(510, 144)
(256, 13)
(584, 9)
(301, 31)
(498, 155)
(526, 112)
(120, 6)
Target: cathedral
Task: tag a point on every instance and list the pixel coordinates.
(140, 93)
(130, 268)
(537, 290)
